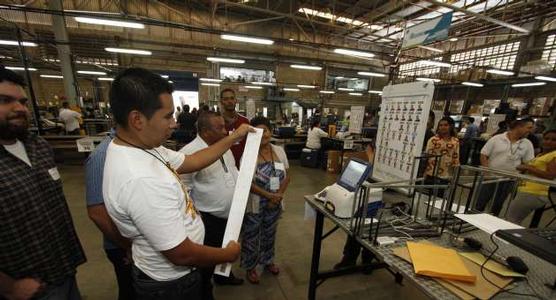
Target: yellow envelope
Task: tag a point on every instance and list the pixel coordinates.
(491, 265)
(435, 261)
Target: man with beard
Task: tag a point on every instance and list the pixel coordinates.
(39, 248)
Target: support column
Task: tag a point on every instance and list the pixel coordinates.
(64, 52)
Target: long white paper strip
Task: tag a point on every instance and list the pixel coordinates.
(241, 194)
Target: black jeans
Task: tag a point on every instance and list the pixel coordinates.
(214, 235)
(352, 248)
(487, 193)
(67, 290)
(122, 268)
(187, 287)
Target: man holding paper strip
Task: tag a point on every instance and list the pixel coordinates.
(145, 196)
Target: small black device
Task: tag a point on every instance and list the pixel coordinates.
(517, 265)
(539, 242)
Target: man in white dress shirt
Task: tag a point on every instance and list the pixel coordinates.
(212, 190)
(70, 119)
(145, 197)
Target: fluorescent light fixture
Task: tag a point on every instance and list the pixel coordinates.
(291, 89)
(427, 79)
(210, 84)
(375, 92)
(346, 89)
(253, 87)
(454, 39)
(165, 76)
(326, 92)
(262, 83)
(20, 69)
(472, 84)
(128, 51)
(97, 21)
(170, 81)
(545, 78)
(245, 39)
(353, 53)
(435, 63)
(431, 49)
(329, 16)
(15, 43)
(105, 78)
(315, 68)
(210, 80)
(528, 84)
(340, 77)
(226, 60)
(91, 72)
(371, 74)
(52, 76)
(356, 94)
(500, 72)
(305, 86)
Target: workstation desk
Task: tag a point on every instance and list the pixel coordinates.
(541, 273)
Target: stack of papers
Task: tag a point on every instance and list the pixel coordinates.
(487, 223)
(435, 261)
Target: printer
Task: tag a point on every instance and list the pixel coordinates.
(340, 196)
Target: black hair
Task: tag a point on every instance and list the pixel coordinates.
(186, 108)
(227, 90)
(65, 104)
(471, 120)
(11, 76)
(315, 123)
(137, 89)
(549, 132)
(451, 123)
(203, 122)
(256, 121)
(521, 122)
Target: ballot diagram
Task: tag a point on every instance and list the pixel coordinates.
(401, 130)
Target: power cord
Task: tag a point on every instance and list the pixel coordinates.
(501, 289)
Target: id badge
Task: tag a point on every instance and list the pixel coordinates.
(274, 183)
(279, 166)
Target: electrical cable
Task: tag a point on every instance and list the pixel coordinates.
(501, 289)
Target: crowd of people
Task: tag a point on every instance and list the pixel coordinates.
(162, 213)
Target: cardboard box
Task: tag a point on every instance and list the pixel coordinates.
(333, 162)
(331, 130)
(356, 154)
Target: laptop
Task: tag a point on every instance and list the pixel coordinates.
(539, 242)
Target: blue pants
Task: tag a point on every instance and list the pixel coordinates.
(259, 235)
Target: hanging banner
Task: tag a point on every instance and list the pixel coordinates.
(357, 114)
(428, 31)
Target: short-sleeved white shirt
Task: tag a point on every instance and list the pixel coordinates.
(212, 188)
(70, 119)
(313, 137)
(503, 155)
(147, 204)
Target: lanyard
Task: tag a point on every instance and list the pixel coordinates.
(189, 207)
(223, 164)
(271, 159)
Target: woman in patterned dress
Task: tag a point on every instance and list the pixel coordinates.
(265, 205)
(446, 144)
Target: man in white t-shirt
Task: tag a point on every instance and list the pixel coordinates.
(70, 119)
(212, 189)
(145, 197)
(505, 152)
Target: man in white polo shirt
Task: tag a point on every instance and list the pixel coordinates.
(505, 151)
(145, 197)
(212, 189)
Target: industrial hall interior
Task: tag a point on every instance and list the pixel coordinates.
(277, 149)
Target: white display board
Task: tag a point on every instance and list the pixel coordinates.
(493, 121)
(250, 109)
(356, 117)
(401, 129)
(241, 194)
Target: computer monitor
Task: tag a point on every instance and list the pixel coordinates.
(354, 174)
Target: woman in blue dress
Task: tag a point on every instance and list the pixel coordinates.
(264, 206)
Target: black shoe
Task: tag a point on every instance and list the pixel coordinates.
(232, 280)
(345, 263)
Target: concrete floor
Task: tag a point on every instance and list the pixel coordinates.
(293, 252)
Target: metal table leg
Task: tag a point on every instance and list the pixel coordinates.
(317, 241)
